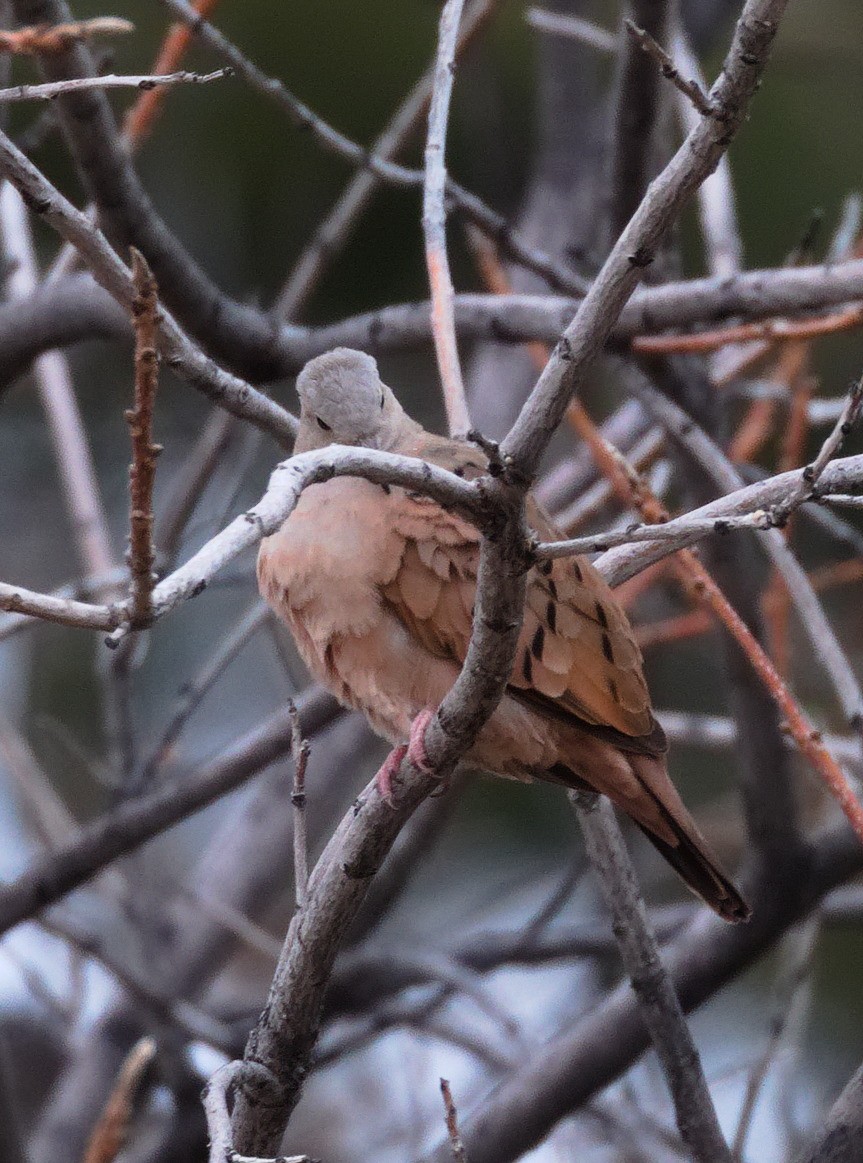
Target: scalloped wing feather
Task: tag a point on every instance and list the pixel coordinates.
(576, 654)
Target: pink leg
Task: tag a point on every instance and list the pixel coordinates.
(384, 777)
(416, 742)
(414, 749)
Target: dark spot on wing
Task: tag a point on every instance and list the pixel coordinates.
(612, 686)
(576, 569)
(527, 667)
(551, 616)
(538, 643)
(606, 648)
(601, 615)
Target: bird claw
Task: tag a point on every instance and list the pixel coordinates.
(386, 771)
(414, 749)
(416, 742)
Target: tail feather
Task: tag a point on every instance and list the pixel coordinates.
(697, 868)
(662, 817)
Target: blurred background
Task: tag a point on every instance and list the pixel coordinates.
(244, 190)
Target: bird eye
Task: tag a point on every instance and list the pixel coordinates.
(323, 424)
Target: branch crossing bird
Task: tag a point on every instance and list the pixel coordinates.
(377, 585)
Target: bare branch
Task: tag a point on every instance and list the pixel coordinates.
(110, 1133)
(451, 1115)
(434, 223)
(331, 234)
(48, 38)
(635, 249)
(300, 756)
(585, 31)
(142, 472)
(696, 1117)
(64, 611)
(180, 354)
(53, 89)
(690, 89)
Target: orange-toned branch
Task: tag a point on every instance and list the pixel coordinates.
(141, 118)
(54, 38)
(770, 330)
(110, 1133)
(755, 428)
(694, 622)
(142, 472)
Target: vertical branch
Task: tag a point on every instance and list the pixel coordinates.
(54, 384)
(660, 1007)
(300, 756)
(635, 113)
(451, 1115)
(434, 223)
(110, 1133)
(332, 233)
(142, 471)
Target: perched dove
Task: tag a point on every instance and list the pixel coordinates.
(377, 586)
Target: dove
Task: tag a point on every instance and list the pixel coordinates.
(377, 585)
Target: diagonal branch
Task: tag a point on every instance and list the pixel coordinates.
(636, 248)
(651, 983)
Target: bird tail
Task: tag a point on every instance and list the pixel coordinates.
(699, 870)
(659, 812)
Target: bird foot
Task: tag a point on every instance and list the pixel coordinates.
(416, 741)
(386, 771)
(414, 749)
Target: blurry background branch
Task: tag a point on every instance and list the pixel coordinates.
(480, 951)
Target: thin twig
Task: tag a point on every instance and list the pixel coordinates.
(770, 330)
(142, 472)
(139, 120)
(832, 444)
(669, 531)
(574, 27)
(434, 224)
(460, 200)
(690, 89)
(636, 248)
(52, 38)
(53, 89)
(801, 946)
(227, 390)
(110, 1133)
(81, 492)
(193, 692)
(331, 234)
(660, 1007)
(300, 756)
(136, 821)
(451, 1117)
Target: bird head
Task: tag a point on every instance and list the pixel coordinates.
(342, 401)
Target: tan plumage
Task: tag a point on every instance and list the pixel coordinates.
(377, 585)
